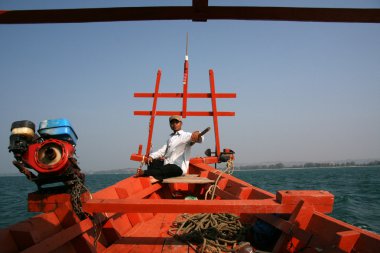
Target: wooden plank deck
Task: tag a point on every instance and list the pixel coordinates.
(188, 179)
(150, 236)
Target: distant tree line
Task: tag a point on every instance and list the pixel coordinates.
(309, 165)
(343, 164)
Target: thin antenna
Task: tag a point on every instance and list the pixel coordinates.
(187, 45)
(186, 65)
(185, 79)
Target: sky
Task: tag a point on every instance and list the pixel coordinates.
(305, 91)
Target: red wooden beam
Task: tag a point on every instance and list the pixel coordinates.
(153, 113)
(140, 150)
(194, 113)
(215, 112)
(146, 192)
(346, 240)
(190, 206)
(55, 241)
(205, 160)
(184, 206)
(285, 226)
(198, 13)
(47, 202)
(60, 238)
(310, 196)
(180, 95)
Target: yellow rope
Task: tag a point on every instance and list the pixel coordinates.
(229, 170)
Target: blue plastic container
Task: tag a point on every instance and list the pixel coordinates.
(58, 129)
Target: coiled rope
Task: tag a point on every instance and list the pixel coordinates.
(220, 232)
(211, 232)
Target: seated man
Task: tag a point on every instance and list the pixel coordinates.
(172, 159)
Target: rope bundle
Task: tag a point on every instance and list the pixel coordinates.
(211, 232)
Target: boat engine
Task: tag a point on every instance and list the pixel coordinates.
(50, 154)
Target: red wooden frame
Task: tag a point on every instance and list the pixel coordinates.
(184, 113)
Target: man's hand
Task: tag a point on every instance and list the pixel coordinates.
(149, 161)
(195, 137)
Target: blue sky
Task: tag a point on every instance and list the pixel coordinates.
(305, 91)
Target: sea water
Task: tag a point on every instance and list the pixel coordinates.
(356, 190)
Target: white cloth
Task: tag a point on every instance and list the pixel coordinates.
(176, 150)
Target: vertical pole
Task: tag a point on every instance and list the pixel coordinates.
(214, 112)
(153, 113)
(185, 80)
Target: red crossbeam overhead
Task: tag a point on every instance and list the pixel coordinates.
(184, 113)
(197, 12)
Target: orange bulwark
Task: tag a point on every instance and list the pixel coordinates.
(134, 216)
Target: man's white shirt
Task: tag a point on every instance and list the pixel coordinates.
(176, 150)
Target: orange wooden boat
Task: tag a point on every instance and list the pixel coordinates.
(207, 210)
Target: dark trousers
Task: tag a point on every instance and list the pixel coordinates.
(158, 170)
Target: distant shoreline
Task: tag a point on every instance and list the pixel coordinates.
(276, 166)
(309, 165)
(305, 168)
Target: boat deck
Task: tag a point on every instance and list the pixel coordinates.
(150, 236)
(135, 215)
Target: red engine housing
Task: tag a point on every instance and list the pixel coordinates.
(49, 157)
